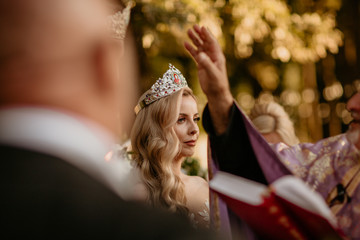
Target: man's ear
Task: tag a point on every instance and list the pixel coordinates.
(107, 61)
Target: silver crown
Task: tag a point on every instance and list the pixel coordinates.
(171, 82)
(119, 21)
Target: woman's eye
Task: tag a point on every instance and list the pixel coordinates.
(181, 120)
(197, 119)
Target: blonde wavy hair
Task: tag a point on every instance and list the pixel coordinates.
(271, 117)
(155, 146)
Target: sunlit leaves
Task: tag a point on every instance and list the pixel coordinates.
(298, 37)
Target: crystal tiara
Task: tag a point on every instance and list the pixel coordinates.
(171, 82)
(118, 22)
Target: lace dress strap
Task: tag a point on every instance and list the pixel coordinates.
(202, 217)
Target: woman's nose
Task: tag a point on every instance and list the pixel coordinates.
(194, 129)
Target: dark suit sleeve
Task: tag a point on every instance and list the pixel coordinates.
(46, 198)
(242, 151)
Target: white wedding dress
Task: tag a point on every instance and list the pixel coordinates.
(201, 218)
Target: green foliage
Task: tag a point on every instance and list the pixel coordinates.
(191, 166)
(271, 47)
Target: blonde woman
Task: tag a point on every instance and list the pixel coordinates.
(165, 132)
(271, 120)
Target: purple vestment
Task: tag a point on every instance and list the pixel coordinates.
(242, 151)
(325, 165)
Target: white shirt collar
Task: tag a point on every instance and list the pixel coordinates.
(76, 140)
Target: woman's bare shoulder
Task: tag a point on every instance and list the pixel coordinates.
(199, 180)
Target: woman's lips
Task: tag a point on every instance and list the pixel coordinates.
(191, 143)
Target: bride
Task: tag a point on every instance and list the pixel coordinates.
(165, 132)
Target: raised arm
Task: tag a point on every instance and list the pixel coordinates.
(211, 64)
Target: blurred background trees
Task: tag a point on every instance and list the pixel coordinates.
(303, 54)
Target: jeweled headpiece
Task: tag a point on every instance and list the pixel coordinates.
(171, 82)
(119, 21)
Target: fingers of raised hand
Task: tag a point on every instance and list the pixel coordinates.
(190, 49)
(207, 35)
(195, 38)
(209, 39)
(197, 55)
(198, 30)
(207, 64)
(204, 34)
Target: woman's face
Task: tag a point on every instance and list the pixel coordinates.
(186, 127)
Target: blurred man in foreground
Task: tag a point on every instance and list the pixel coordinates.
(60, 96)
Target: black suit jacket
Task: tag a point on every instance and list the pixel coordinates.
(45, 197)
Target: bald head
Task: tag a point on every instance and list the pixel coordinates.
(59, 53)
(40, 30)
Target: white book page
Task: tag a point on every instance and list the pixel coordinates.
(288, 187)
(296, 191)
(238, 188)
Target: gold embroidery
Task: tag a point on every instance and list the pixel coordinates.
(309, 156)
(329, 140)
(282, 146)
(356, 209)
(299, 171)
(342, 142)
(321, 169)
(344, 221)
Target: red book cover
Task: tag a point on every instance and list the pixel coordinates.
(288, 209)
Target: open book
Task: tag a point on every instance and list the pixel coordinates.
(287, 209)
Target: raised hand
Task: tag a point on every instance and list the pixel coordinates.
(212, 74)
(210, 61)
